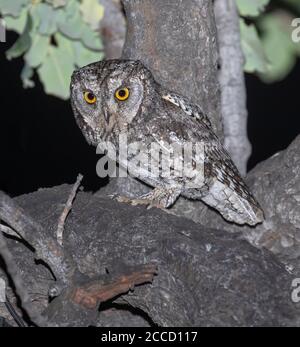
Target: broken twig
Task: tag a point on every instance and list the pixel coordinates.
(92, 294)
(67, 209)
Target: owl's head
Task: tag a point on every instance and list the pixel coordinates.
(106, 96)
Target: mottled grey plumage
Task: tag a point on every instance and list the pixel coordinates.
(154, 114)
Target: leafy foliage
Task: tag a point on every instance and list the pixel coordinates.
(272, 53)
(280, 49)
(253, 49)
(56, 37)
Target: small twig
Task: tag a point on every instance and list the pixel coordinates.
(13, 271)
(90, 295)
(67, 209)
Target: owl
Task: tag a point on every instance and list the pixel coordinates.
(116, 99)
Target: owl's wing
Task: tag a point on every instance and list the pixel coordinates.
(227, 191)
(187, 107)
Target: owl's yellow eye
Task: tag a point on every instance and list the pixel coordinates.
(122, 94)
(89, 97)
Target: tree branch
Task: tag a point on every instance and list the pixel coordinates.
(14, 272)
(46, 247)
(232, 81)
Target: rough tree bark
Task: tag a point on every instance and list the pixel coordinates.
(205, 277)
(177, 40)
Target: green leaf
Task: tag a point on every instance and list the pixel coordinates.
(77, 53)
(69, 23)
(17, 24)
(66, 45)
(91, 39)
(92, 12)
(23, 42)
(279, 47)
(38, 50)
(26, 75)
(256, 59)
(57, 3)
(251, 8)
(47, 17)
(56, 71)
(12, 7)
(84, 56)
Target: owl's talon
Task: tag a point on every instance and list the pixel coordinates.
(133, 202)
(140, 201)
(153, 205)
(112, 196)
(158, 198)
(123, 199)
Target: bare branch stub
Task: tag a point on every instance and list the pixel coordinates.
(90, 295)
(67, 209)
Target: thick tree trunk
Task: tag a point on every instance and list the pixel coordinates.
(177, 40)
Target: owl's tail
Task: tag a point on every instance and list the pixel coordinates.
(235, 206)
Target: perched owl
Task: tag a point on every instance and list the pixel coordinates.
(118, 97)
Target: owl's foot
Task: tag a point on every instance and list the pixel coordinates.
(158, 197)
(135, 202)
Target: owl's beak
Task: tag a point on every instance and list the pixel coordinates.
(106, 116)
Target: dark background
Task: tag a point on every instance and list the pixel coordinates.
(41, 146)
